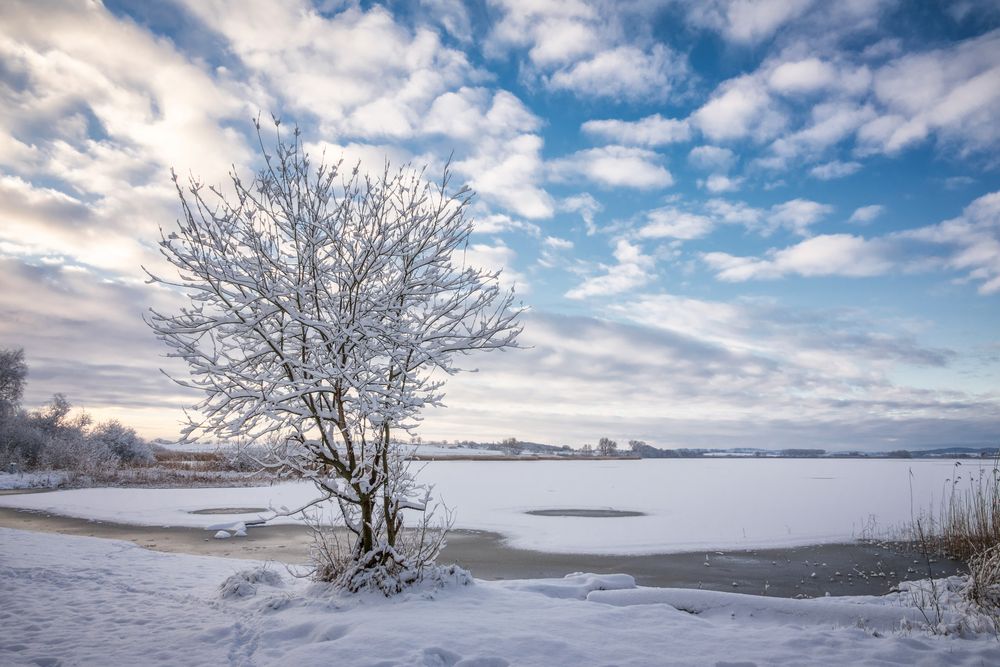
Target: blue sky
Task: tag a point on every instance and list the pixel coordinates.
(734, 223)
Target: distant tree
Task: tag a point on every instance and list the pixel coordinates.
(899, 454)
(13, 371)
(637, 446)
(325, 307)
(512, 446)
(587, 450)
(607, 447)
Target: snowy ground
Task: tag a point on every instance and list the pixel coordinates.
(30, 480)
(78, 600)
(690, 505)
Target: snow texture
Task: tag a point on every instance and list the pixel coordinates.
(30, 480)
(79, 600)
(690, 505)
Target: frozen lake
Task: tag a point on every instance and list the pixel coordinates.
(686, 504)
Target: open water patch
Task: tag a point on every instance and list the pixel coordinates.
(230, 510)
(587, 513)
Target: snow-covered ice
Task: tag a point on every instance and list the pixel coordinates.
(89, 601)
(689, 504)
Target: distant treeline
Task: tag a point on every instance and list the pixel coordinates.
(646, 451)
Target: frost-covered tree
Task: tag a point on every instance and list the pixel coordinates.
(122, 441)
(13, 371)
(326, 307)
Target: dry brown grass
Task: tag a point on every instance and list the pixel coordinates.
(969, 522)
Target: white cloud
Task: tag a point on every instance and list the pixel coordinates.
(796, 215)
(83, 114)
(360, 73)
(825, 255)
(503, 156)
(952, 91)
(558, 243)
(712, 158)
(497, 223)
(865, 214)
(746, 21)
(470, 113)
(614, 166)
(717, 183)
(968, 244)
(584, 204)
(669, 222)
(831, 122)
(585, 47)
(554, 32)
(739, 108)
(834, 169)
(497, 257)
(623, 73)
(802, 76)
(452, 15)
(735, 213)
(973, 239)
(650, 131)
(632, 269)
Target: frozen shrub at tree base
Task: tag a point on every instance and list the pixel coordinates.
(326, 308)
(122, 441)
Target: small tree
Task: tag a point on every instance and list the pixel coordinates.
(512, 446)
(637, 446)
(607, 447)
(587, 450)
(325, 308)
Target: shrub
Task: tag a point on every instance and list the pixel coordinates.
(122, 441)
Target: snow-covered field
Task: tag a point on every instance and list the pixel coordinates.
(87, 601)
(689, 504)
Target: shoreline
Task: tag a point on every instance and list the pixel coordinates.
(852, 568)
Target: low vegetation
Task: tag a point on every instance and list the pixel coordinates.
(968, 528)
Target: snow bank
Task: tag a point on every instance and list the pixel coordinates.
(689, 505)
(30, 480)
(78, 600)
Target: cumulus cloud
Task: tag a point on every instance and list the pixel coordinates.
(968, 245)
(632, 269)
(865, 214)
(503, 155)
(720, 183)
(824, 255)
(712, 158)
(796, 215)
(739, 108)
(802, 76)
(744, 21)
(614, 166)
(624, 73)
(650, 131)
(951, 91)
(669, 222)
(834, 169)
(973, 240)
(584, 48)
